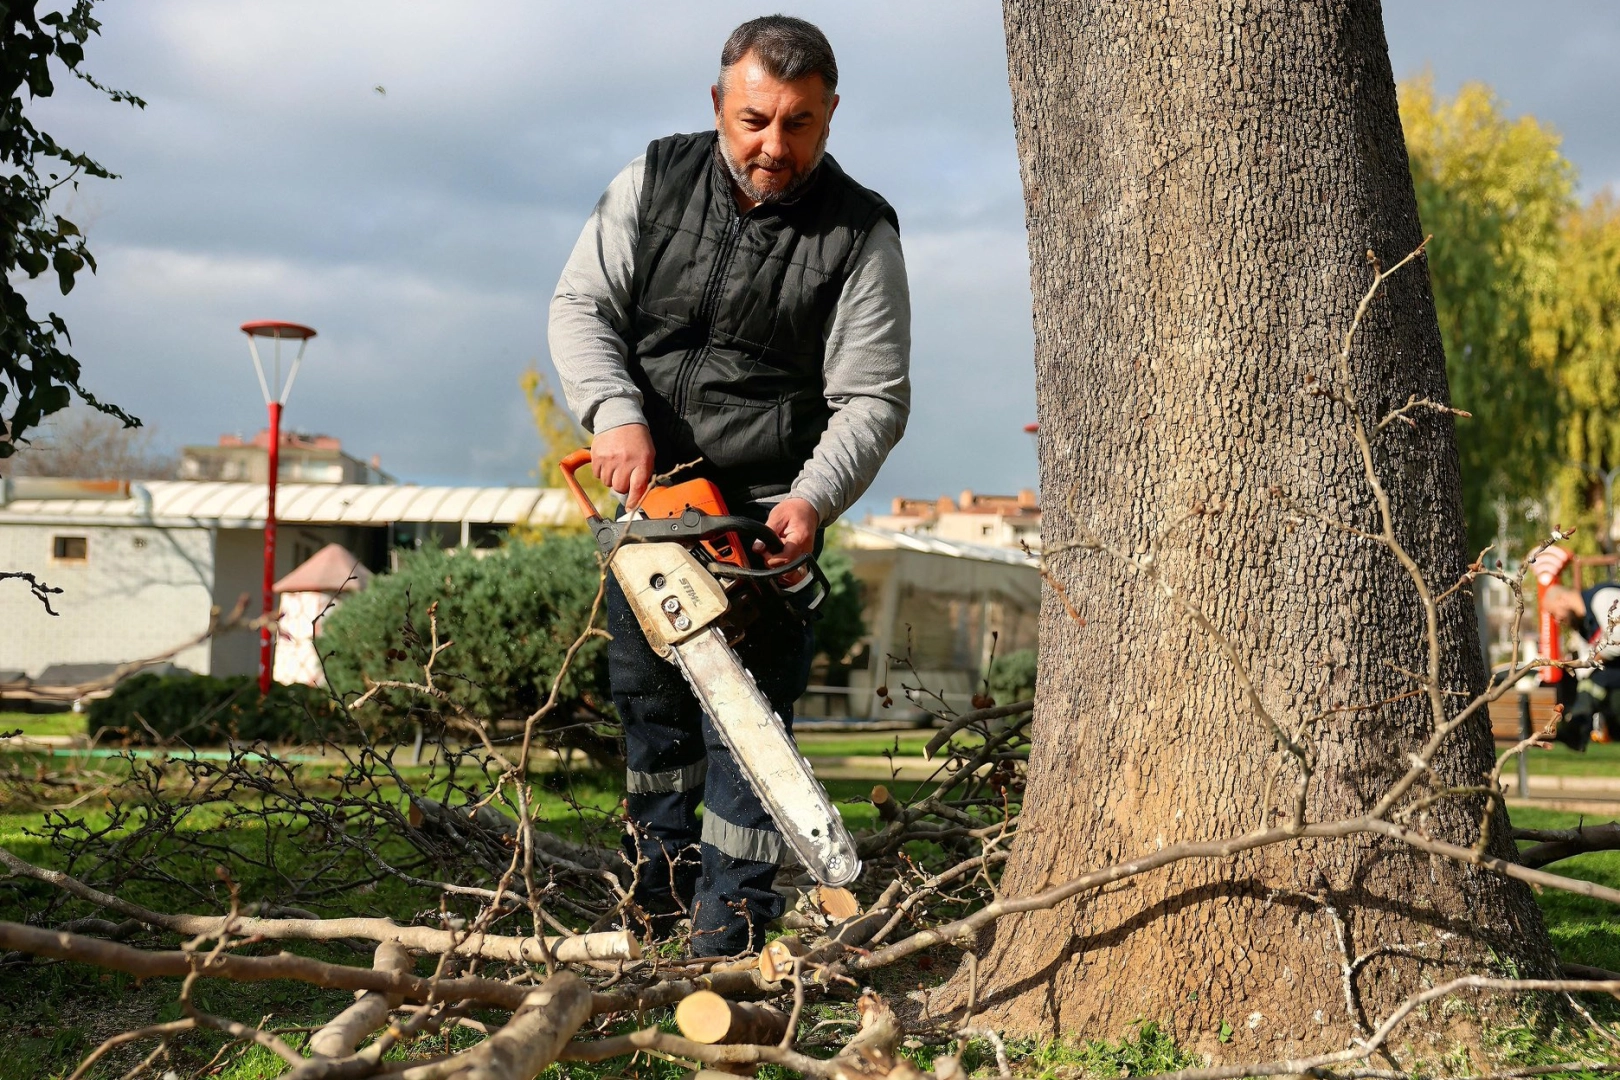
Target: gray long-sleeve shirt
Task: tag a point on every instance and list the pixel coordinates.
(865, 375)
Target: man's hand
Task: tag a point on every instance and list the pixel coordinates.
(795, 521)
(622, 458)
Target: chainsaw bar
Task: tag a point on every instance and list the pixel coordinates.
(767, 756)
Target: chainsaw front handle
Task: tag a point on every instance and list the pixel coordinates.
(691, 527)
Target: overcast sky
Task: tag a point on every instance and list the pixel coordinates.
(408, 178)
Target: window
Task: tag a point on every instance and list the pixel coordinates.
(70, 548)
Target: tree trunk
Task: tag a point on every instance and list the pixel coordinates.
(1204, 181)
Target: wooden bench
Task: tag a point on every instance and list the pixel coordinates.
(1506, 710)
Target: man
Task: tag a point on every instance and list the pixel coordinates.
(738, 301)
(1591, 699)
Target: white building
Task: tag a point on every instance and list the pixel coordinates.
(941, 603)
(142, 565)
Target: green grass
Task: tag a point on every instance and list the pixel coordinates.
(1584, 930)
(855, 744)
(58, 1012)
(61, 1012)
(1598, 759)
(56, 723)
(1146, 1052)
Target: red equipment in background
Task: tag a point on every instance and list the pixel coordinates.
(1549, 566)
(275, 330)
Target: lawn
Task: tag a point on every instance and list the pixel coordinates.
(1598, 759)
(856, 744)
(52, 723)
(58, 1012)
(1584, 931)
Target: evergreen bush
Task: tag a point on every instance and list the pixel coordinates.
(203, 710)
(841, 625)
(1012, 677)
(509, 615)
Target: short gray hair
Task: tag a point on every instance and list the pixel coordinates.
(788, 48)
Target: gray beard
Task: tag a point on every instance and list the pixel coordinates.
(739, 173)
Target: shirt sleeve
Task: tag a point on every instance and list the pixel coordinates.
(866, 378)
(1605, 613)
(590, 310)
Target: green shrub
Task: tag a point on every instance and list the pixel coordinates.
(841, 626)
(1012, 677)
(203, 710)
(510, 616)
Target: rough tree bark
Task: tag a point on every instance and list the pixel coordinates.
(1204, 180)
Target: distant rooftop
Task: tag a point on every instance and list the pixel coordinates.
(305, 457)
(1024, 503)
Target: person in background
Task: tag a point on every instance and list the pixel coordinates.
(1592, 705)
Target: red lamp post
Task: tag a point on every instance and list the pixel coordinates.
(277, 332)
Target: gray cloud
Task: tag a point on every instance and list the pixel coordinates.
(421, 230)
(1556, 61)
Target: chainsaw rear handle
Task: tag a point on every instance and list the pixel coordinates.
(691, 526)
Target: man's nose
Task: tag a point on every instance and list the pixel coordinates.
(775, 143)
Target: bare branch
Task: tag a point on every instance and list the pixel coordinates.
(611, 945)
(42, 592)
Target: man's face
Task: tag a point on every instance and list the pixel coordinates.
(772, 132)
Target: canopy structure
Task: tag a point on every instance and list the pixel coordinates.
(944, 606)
(242, 506)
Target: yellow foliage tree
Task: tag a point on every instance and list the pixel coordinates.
(1494, 192)
(1577, 333)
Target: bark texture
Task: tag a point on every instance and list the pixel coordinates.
(1203, 182)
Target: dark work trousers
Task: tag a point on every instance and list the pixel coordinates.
(720, 873)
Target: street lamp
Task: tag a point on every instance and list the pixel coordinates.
(277, 332)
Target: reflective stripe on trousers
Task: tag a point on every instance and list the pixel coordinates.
(688, 778)
(740, 842)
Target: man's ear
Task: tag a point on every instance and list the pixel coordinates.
(832, 107)
(714, 97)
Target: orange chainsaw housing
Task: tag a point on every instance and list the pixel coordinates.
(702, 495)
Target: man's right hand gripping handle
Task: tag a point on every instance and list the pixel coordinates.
(622, 458)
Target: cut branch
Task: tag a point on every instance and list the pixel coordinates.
(609, 945)
(339, 1037)
(706, 1017)
(148, 964)
(1555, 844)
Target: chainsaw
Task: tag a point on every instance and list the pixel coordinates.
(684, 566)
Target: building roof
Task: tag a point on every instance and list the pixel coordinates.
(221, 504)
(872, 537)
(333, 569)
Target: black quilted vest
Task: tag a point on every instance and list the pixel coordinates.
(731, 310)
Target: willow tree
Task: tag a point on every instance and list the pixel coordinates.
(1494, 190)
(1204, 181)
